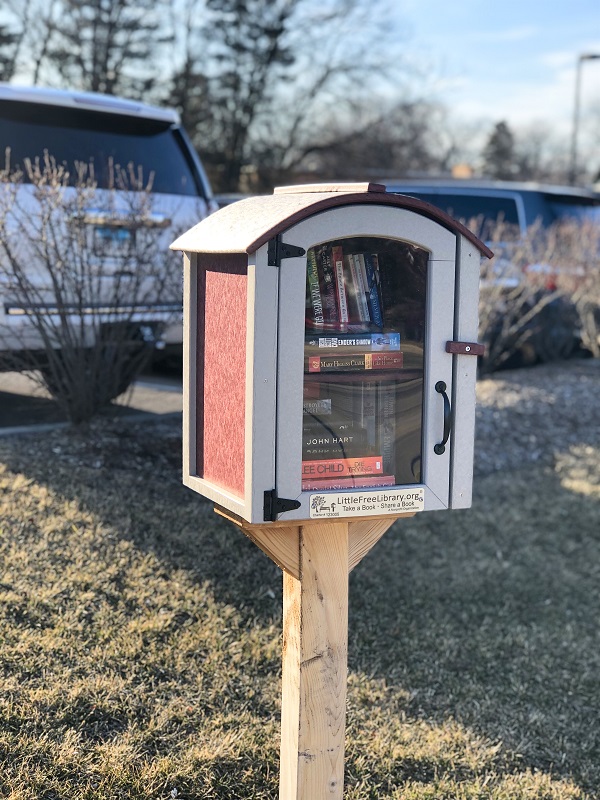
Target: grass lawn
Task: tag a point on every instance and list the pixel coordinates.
(140, 635)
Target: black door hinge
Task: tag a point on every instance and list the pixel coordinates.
(278, 250)
(277, 505)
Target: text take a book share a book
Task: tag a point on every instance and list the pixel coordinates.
(363, 364)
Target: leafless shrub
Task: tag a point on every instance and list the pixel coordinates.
(576, 274)
(80, 268)
(536, 292)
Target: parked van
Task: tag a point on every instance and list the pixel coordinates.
(77, 128)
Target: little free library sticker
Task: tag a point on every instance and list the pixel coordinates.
(364, 504)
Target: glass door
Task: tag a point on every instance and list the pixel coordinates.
(364, 354)
(364, 317)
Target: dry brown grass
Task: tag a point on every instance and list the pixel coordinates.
(140, 635)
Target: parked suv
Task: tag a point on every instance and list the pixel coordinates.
(77, 128)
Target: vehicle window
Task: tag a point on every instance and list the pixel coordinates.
(571, 208)
(488, 211)
(71, 135)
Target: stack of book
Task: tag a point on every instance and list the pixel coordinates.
(348, 435)
(349, 428)
(343, 289)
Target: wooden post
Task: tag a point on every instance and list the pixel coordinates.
(315, 663)
(316, 558)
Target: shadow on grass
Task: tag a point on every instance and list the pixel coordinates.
(490, 616)
(487, 617)
(21, 409)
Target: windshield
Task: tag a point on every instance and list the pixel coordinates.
(480, 213)
(75, 135)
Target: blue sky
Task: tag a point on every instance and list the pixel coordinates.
(512, 59)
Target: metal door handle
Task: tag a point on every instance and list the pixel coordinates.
(440, 448)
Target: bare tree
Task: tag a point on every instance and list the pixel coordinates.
(392, 141)
(82, 329)
(36, 23)
(106, 45)
(9, 39)
(277, 80)
(234, 51)
(110, 46)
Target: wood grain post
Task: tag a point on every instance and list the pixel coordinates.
(316, 558)
(315, 662)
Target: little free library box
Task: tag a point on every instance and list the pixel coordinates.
(330, 355)
(329, 389)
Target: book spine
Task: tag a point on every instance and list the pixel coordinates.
(365, 341)
(373, 288)
(314, 288)
(354, 314)
(347, 483)
(361, 283)
(317, 406)
(332, 441)
(386, 402)
(369, 412)
(338, 269)
(328, 286)
(337, 449)
(342, 467)
(386, 288)
(355, 363)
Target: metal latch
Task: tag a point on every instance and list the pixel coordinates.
(465, 348)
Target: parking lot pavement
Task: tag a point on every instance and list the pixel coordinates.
(23, 403)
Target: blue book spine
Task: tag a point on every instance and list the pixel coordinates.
(373, 292)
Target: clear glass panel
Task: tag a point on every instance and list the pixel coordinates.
(363, 363)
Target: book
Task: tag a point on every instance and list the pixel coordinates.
(354, 341)
(386, 408)
(333, 447)
(327, 284)
(310, 485)
(337, 259)
(333, 438)
(368, 411)
(342, 467)
(334, 424)
(361, 285)
(373, 299)
(316, 406)
(351, 286)
(355, 362)
(314, 289)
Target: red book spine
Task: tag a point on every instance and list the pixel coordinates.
(355, 363)
(342, 467)
(347, 483)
